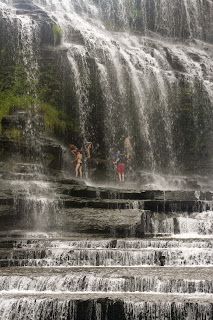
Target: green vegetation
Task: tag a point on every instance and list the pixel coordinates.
(50, 86)
(57, 34)
(54, 120)
(14, 78)
(136, 13)
(45, 91)
(19, 94)
(14, 134)
(9, 102)
(20, 83)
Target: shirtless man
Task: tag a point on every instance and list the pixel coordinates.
(78, 160)
(128, 148)
(79, 164)
(73, 149)
(89, 149)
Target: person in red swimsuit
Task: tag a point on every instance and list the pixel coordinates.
(121, 171)
(121, 167)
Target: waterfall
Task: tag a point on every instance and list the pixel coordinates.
(47, 308)
(191, 225)
(131, 73)
(115, 244)
(33, 194)
(139, 79)
(74, 257)
(116, 68)
(93, 283)
(167, 310)
(36, 201)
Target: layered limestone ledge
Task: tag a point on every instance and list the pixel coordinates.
(65, 188)
(104, 307)
(75, 207)
(180, 206)
(182, 272)
(114, 222)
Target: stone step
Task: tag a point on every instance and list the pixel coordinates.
(6, 210)
(110, 193)
(113, 193)
(96, 241)
(178, 206)
(116, 219)
(6, 200)
(69, 182)
(101, 204)
(189, 300)
(19, 235)
(34, 176)
(106, 257)
(148, 205)
(185, 280)
(28, 168)
(113, 306)
(183, 272)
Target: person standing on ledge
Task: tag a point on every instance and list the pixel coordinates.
(120, 166)
(89, 149)
(128, 148)
(78, 154)
(79, 164)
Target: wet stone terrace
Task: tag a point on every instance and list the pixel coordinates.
(149, 258)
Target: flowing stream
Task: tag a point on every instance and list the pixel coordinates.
(138, 68)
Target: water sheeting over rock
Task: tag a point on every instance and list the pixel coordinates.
(101, 309)
(136, 68)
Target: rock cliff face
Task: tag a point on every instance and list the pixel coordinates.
(116, 68)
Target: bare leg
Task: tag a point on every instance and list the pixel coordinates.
(77, 170)
(119, 176)
(80, 171)
(123, 177)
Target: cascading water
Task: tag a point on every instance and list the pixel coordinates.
(131, 73)
(191, 225)
(32, 192)
(94, 283)
(124, 277)
(139, 78)
(140, 68)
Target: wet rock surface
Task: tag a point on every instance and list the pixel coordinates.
(79, 252)
(101, 255)
(85, 281)
(85, 208)
(175, 54)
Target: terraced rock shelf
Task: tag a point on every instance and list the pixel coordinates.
(102, 255)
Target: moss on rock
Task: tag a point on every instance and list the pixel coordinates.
(57, 34)
(54, 120)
